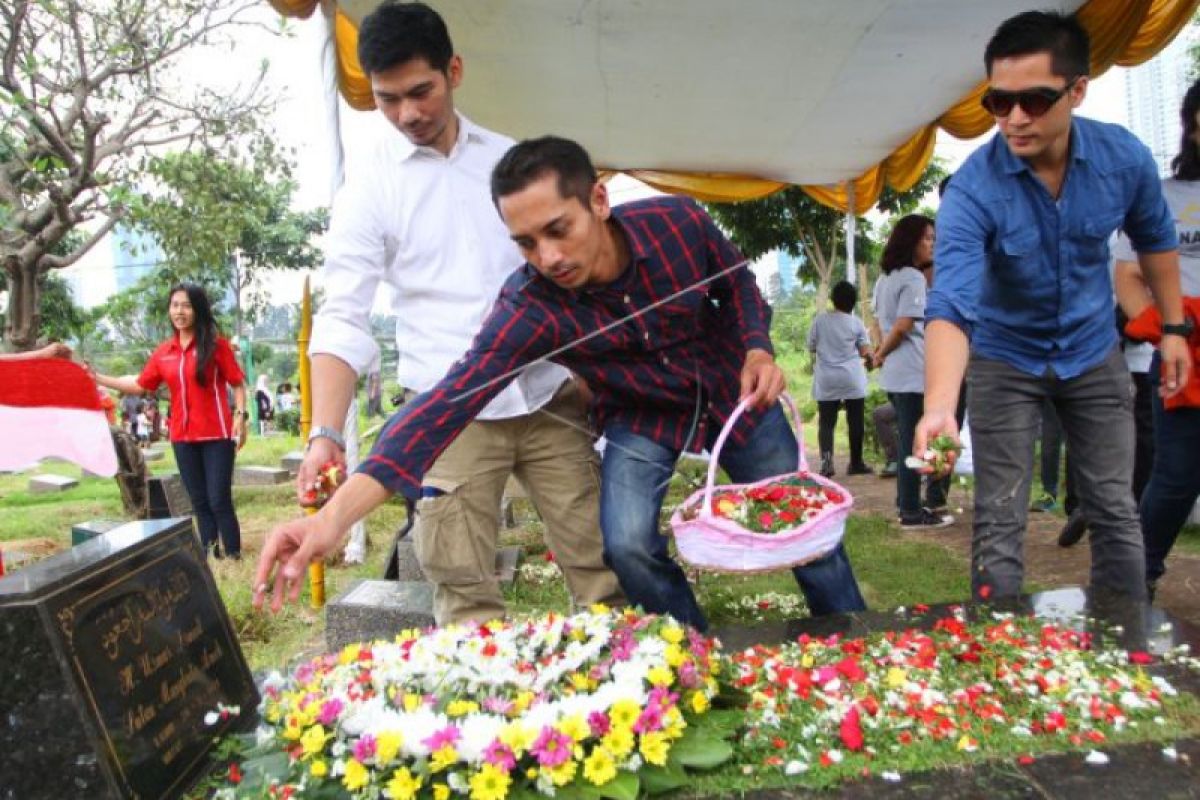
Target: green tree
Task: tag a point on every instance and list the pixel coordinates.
(225, 218)
(794, 223)
(87, 91)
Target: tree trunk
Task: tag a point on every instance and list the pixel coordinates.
(24, 316)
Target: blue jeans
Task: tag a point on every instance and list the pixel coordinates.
(206, 469)
(1174, 480)
(634, 479)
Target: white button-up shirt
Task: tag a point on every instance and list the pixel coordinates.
(424, 225)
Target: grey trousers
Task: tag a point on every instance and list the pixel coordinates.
(1096, 412)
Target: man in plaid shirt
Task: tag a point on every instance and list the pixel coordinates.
(653, 307)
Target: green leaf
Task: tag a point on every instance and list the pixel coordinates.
(259, 771)
(721, 722)
(701, 751)
(623, 787)
(657, 780)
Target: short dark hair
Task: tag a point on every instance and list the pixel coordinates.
(396, 33)
(902, 243)
(527, 161)
(1060, 35)
(844, 296)
(1186, 165)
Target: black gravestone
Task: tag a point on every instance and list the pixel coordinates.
(113, 653)
(167, 496)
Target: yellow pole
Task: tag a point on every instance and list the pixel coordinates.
(316, 570)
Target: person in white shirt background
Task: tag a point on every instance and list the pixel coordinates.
(422, 222)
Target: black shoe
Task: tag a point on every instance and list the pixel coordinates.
(1073, 531)
(925, 519)
(859, 469)
(827, 469)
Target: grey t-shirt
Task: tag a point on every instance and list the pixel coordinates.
(836, 338)
(901, 293)
(1183, 197)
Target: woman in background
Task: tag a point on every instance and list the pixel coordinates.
(199, 368)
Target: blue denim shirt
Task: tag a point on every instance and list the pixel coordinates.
(1027, 277)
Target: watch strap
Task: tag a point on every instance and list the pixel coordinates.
(323, 431)
(1183, 329)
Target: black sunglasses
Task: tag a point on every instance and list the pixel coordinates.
(1035, 102)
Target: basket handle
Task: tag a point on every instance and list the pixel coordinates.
(789, 404)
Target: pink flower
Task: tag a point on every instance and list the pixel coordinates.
(329, 711)
(649, 720)
(447, 736)
(499, 755)
(552, 747)
(364, 748)
(599, 723)
(497, 705)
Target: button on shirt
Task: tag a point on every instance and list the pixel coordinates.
(1027, 276)
(423, 224)
(647, 374)
(198, 413)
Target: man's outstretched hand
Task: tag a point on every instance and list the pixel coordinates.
(286, 553)
(762, 379)
(932, 425)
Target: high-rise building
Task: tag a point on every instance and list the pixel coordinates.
(1153, 92)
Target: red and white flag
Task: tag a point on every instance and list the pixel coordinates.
(51, 407)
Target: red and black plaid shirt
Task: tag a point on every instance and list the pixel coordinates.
(647, 374)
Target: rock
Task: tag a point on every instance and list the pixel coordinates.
(259, 476)
(47, 484)
(371, 610)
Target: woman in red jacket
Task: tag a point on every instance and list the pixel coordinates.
(199, 368)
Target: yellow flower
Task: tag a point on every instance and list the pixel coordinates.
(490, 783)
(517, 737)
(967, 743)
(313, 740)
(672, 634)
(896, 678)
(563, 774)
(624, 713)
(806, 660)
(575, 727)
(443, 758)
(673, 723)
(522, 701)
(460, 708)
(441, 791)
(599, 768)
(580, 682)
(387, 745)
(699, 702)
(318, 768)
(675, 656)
(403, 785)
(653, 748)
(618, 741)
(660, 676)
(292, 729)
(349, 654)
(599, 609)
(412, 702)
(356, 775)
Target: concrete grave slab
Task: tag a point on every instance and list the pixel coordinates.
(48, 484)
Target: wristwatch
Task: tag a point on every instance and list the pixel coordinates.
(328, 433)
(1183, 329)
(243, 413)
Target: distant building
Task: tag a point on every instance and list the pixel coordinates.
(1153, 92)
(135, 254)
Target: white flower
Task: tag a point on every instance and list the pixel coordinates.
(211, 718)
(1170, 754)
(795, 768)
(835, 756)
(1096, 758)
(891, 777)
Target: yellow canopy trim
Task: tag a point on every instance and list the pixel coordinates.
(1124, 32)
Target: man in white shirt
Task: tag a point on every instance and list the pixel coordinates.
(422, 222)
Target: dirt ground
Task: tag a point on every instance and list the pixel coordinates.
(1045, 562)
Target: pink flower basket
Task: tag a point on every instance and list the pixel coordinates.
(716, 543)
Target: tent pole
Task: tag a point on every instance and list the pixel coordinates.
(851, 270)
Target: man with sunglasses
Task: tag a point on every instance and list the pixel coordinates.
(1024, 294)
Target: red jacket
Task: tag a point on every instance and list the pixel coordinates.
(198, 413)
(1147, 327)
